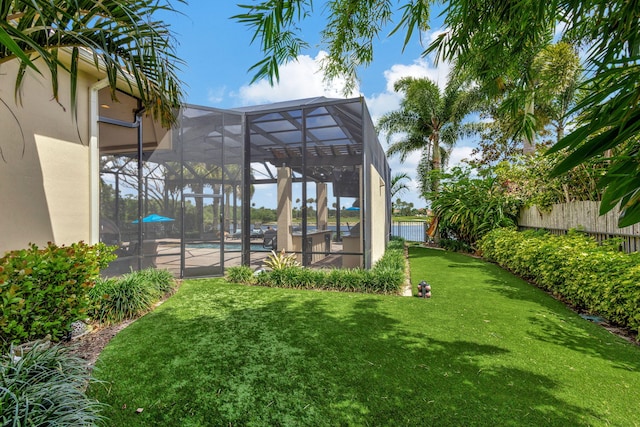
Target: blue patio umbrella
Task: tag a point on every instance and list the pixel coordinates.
(154, 218)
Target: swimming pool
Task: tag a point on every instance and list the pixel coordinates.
(228, 247)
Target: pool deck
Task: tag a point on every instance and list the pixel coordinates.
(206, 260)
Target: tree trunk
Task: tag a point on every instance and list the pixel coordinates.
(529, 146)
(436, 165)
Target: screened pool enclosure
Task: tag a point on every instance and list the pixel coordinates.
(226, 187)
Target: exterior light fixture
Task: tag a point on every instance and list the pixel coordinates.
(424, 290)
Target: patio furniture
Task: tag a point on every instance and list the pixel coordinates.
(270, 239)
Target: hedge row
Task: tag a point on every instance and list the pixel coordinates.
(596, 278)
(386, 277)
(43, 291)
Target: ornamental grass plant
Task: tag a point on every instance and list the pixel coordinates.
(129, 296)
(45, 387)
(386, 277)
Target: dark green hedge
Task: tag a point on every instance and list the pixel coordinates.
(43, 291)
(596, 278)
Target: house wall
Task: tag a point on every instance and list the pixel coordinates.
(377, 215)
(44, 164)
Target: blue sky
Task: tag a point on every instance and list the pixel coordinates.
(218, 54)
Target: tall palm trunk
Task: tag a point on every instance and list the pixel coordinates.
(529, 146)
(436, 165)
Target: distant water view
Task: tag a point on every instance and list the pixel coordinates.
(409, 230)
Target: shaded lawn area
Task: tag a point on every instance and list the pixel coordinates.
(487, 349)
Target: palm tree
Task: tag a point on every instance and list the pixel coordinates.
(559, 75)
(398, 186)
(120, 36)
(429, 120)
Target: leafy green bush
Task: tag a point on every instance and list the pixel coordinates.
(469, 206)
(43, 291)
(240, 274)
(392, 258)
(349, 280)
(44, 387)
(597, 278)
(127, 297)
(527, 178)
(455, 245)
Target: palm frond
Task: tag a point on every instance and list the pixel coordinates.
(120, 35)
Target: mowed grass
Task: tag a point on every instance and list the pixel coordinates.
(486, 350)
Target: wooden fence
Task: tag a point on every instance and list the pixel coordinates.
(584, 216)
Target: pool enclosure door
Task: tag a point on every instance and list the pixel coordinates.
(203, 236)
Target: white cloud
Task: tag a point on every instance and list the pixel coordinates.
(304, 79)
(216, 95)
(382, 103)
(419, 68)
(389, 100)
(458, 154)
(298, 80)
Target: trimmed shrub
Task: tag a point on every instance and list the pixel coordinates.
(596, 278)
(387, 280)
(392, 258)
(43, 291)
(44, 387)
(344, 280)
(454, 245)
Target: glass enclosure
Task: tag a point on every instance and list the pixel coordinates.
(227, 187)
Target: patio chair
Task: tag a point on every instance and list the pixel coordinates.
(270, 239)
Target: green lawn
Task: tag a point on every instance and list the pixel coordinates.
(486, 350)
(410, 218)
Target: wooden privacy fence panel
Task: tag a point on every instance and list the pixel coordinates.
(584, 216)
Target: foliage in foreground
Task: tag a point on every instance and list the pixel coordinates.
(468, 207)
(116, 299)
(43, 291)
(526, 178)
(45, 387)
(387, 275)
(596, 278)
(125, 38)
